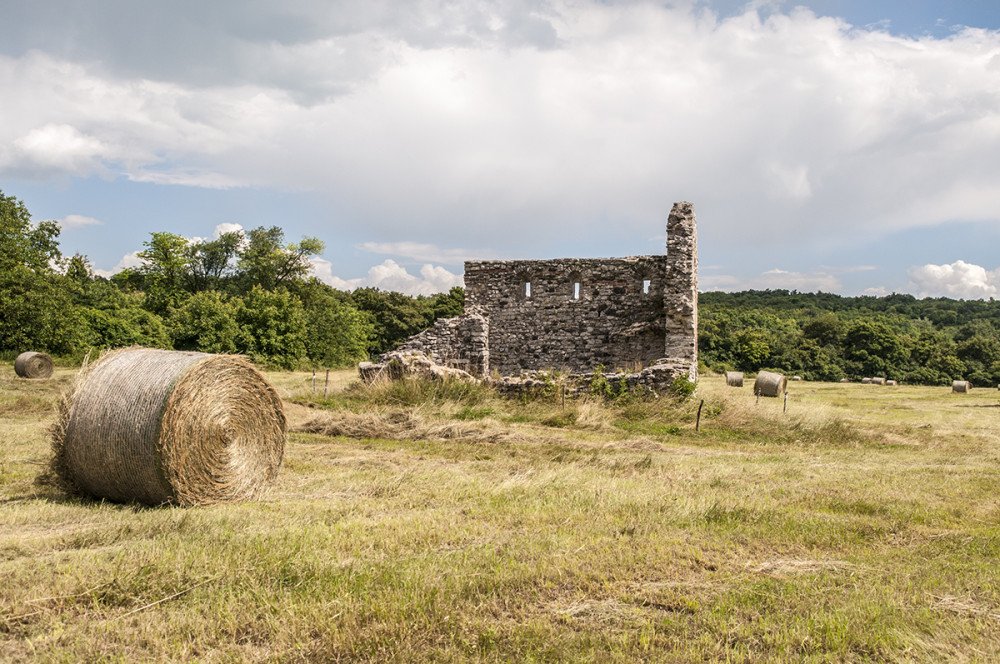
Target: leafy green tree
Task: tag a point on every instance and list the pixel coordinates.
(337, 334)
(38, 313)
(128, 326)
(165, 262)
(272, 328)
(211, 262)
(752, 350)
(447, 305)
(23, 244)
(265, 260)
(872, 348)
(395, 317)
(207, 322)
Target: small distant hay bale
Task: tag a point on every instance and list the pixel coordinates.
(878, 380)
(33, 365)
(796, 378)
(891, 383)
(961, 386)
(156, 426)
(770, 384)
(844, 380)
(734, 378)
(866, 381)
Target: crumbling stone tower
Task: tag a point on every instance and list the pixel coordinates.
(576, 314)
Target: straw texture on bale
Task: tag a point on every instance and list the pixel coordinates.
(157, 426)
(770, 384)
(878, 381)
(734, 378)
(891, 383)
(961, 386)
(33, 365)
(866, 381)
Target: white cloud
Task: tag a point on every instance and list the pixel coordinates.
(426, 252)
(775, 279)
(502, 124)
(390, 276)
(78, 220)
(226, 227)
(128, 260)
(959, 280)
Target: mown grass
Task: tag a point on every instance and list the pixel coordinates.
(453, 525)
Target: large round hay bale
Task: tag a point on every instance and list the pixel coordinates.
(33, 365)
(734, 378)
(769, 384)
(961, 386)
(866, 381)
(878, 380)
(891, 383)
(157, 426)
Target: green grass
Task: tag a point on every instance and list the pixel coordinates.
(861, 525)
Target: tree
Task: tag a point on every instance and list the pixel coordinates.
(210, 262)
(23, 244)
(395, 317)
(272, 328)
(207, 322)
(337, 334)
(752, 350)
(269, 263)
(164, 270)
(873, 349)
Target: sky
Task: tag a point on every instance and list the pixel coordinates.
(847, 146)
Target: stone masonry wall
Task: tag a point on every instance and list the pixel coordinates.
(575, 314)
(680, 301)
(460, 342)
(571, 314)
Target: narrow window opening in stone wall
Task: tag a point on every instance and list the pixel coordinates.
(527, 290)
(576, 290)
(645, 286)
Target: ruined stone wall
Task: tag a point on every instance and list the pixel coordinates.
(680, 301)
(571, 314)
(576, 314)
(460, 342)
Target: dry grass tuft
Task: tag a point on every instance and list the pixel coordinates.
(401, 425)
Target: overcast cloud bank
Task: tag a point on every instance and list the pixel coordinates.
(440, 125)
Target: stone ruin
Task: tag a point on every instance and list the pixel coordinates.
(636, 317)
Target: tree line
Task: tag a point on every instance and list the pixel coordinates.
(252, 293)
(243, 292)
(823, 336)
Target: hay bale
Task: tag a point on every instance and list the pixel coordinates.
(866, 381)
(157, 426)
(878, 380)
(891, 383)
(769, 384)
(961, 386)
(33, 365)
(734, 378)
(796, 378)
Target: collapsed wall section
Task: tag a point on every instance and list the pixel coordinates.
(461, 342)
(570, 314)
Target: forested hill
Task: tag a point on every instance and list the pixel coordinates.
(823, 336)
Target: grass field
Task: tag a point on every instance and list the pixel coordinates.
(441, 523)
